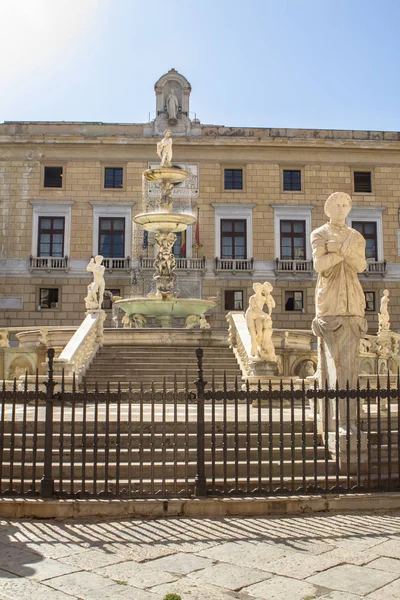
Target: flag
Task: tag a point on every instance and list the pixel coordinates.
(145, 243)
(182, 249)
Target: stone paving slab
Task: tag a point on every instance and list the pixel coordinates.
(13, 587)
(282, 588)
(232, 577)
(136, 574)
(387, 592)
(352, 579)
(180, 563)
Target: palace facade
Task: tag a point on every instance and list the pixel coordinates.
(69, 191)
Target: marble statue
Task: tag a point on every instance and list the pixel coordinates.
(95, 290)
(4, 338)
(339, 255)
(204, 324)
(172, 105)
(384, 321)
(307, 369)
(164, 149)
(126, 321)
(259, 323)
(165, 262)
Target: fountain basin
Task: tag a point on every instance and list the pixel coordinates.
(174, 307)
(173, 222)
(166, 175)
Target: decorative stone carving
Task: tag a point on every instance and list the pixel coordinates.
(384, 321)
(138, 321)
(164, 150)
(204, 324)
(4, 338)
(126, 321)
(306, 369)
(95, 290)
(259, 323)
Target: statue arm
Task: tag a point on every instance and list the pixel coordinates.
(323, 260)
(354, 255)
(90, 265)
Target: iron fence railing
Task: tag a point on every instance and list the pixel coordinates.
(141, 443)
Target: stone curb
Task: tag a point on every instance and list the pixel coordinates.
(19, 508)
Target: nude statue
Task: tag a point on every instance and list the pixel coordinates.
(384, 321)
(164, 149)
(95, 290)
(259, 322)
(172, 105)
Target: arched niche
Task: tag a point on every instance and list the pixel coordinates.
(180, 85)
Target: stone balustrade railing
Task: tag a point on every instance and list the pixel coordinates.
(239, 340)
(82, 347)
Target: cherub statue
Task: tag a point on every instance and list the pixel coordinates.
(95, 290)
(164, 149)
(259, 322)
(204, 324)
(384, 322)
(126, 321)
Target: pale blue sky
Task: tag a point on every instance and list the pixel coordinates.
(267, 63)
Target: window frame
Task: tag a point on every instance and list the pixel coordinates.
(233, 235)
(232, 211)
(355, 170)
(112, 209)
(111, 166)
(233, 189)
(292, 170)
(52, 232)
(366, 302)
(370, 213)
(292, 235)
(284, 212)
(50, 208)
(39, 296)
(51, 166)
(286, 299)
(111, 233)
(233, 292)
(368, 236)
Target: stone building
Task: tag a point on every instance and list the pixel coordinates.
(69, 190)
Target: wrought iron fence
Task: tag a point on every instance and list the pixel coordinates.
(196, 441)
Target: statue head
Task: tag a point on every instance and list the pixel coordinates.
(267, 287)
(167, 133)
(258, 287)
(386, 293)
(98, 259)
(338, 206)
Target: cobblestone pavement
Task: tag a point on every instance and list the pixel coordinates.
(325, 556)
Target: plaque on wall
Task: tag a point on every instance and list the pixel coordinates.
(8, 303)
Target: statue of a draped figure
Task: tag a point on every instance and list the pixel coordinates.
(164, 149)
(339, 255)
(172, 105)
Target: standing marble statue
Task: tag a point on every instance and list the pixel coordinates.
(339, 255)
(172, 105)
(384, 320)
(259, 323)
(164, 149)
(96, 289)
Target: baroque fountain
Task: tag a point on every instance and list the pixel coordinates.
(163, 304)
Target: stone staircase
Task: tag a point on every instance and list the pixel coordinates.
(149, 364)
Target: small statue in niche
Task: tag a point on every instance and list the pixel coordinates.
(259, 322)
(384, 321)
(172, 105)
(164, 149)
(307, 369)
(96, 289)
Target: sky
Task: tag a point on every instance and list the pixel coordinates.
(323, 64)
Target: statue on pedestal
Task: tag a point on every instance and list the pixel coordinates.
(172, 105)
(164, 149)
(339, 255)
(95, 290)
(384, 320)
(259, 323)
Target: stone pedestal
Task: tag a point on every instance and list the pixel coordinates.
(264, 368)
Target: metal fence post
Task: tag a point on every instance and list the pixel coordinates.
(200, 479)
(47, 481)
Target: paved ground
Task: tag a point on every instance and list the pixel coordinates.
(331, 557)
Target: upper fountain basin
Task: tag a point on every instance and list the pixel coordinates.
(175, 307)
(166, 175)
(159, 221)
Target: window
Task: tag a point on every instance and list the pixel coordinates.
(233, 299)
(294, 301)
(369, 301)
(362, 182)
(112, 237)
(108, 294)
(291, 180)
(368, 230)
(113, 177)
(51, 236)
(233, 238)
(233, 179)
(53, 177)
(179, 248)
(48, 298)
(293, 240)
